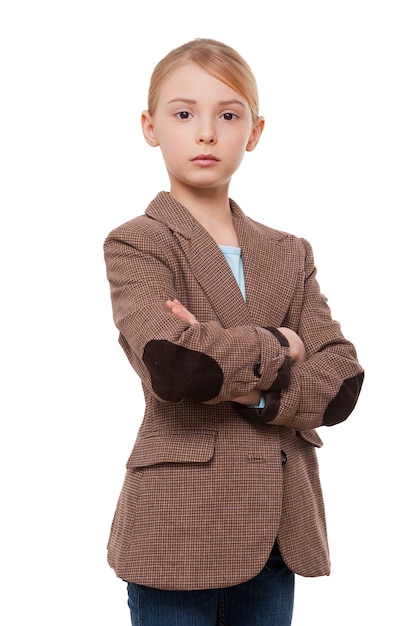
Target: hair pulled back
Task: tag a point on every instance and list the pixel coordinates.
(216, 59)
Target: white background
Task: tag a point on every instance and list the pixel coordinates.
(336, 165)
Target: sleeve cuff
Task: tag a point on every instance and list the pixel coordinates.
(261, 416)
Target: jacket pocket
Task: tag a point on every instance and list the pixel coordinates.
(173, 446)
(311, 436)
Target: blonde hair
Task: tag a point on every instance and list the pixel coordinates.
(217, 60)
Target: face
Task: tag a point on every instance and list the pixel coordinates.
(203, 129)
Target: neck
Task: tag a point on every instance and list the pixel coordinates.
(202, 201)
(211, 208)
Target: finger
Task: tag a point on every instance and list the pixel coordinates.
(178, 310)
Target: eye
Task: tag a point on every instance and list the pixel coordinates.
(229, 116)
(183, 115)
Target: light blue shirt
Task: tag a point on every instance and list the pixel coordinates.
(233, 256)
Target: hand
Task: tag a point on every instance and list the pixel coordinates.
(180, 311)
(297, 349)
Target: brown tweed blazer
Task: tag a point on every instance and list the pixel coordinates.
(209, 484)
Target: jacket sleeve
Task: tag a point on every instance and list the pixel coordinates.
(176, 360)
(323, 390)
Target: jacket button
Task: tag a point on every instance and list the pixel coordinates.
(283, 457)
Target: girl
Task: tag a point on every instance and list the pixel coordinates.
(240, 360)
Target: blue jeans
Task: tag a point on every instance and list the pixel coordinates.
(265, 600)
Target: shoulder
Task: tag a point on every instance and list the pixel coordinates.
(261, 229)
(136, 227)
(284, 247)
(140, 237)
(139, 230)
(163, 217)
(281, 239)
(271, 233)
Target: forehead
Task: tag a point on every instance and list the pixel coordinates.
(191, 81)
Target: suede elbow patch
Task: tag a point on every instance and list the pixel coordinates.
(177, 372)
(343, 404)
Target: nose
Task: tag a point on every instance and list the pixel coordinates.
(206, 134)
(206, 137)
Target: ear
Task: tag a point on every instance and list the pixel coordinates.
(255, 134)
(148, 129)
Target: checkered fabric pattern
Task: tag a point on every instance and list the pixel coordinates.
(206, 492)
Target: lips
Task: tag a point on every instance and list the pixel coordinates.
(205, 159)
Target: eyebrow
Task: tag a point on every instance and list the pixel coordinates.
(222, 102)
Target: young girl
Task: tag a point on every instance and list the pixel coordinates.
(240, 360)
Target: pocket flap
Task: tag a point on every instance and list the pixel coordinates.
(179, 446)
(311, 436)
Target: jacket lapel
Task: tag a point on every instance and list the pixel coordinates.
(269, 281)
(270, 267)
(216, 278)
